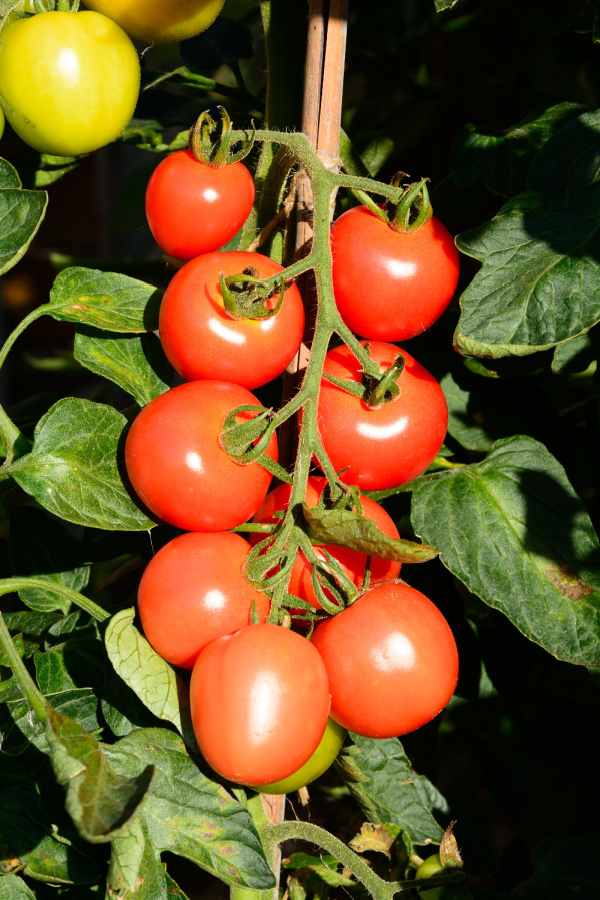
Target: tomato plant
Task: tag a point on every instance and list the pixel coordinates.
(428, 868)
(71, 81)
(202, 340)
(156, 22)
(352, 562)
(193, 591)
(193, 208)
(177, 467)
(384, 447)
(411, 276)
(393, 644)
(259, 702)
(323, 757)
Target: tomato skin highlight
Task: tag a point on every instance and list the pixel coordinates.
(193, 591)
(383, 447)
(353, 563)
(202, 341)
(259, 703)
(193, 208)
(158, 21)
(391, 286)
(178, 469)
(319, 762)
(391, 660)
(71, 79)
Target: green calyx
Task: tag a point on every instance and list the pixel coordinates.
(414, 209)
(216, 151)
(374, 390)
(246, 296)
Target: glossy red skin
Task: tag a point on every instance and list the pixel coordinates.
(193, 591)
(202, 341)
(193, 208)
(178, 469)
(391, 286)
(352, 562)
(383, 447)
(259, 703)
(391, 660)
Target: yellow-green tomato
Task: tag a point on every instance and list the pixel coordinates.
(1, 122)
(160, 21)
(319, 762)
(428, 868)
(71, 80)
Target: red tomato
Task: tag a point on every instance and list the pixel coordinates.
(353, 563)
(193, 208)
(391, 286)
(388, 446)
(178, 469)
(259, 703)
(193, 591)
(391, 660)
(202, 341)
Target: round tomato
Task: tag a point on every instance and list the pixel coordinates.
(428, 869)
(381, 448)
(391, 660)
(158, 21)
(259, 703)
(202, 341)
(319, 762)
(178, 469)
(388, 285)
(71, 80)
(1, 122)
(193, 208)
(193, 591)
(352, 562)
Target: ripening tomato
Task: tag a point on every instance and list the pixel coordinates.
(391, 660)
(352, 562)
(71, 80)
(160, 21)
(381, 448)
(428, 869)
(193, 208)
(388, 285)
(319, 762)
(202, 341)
(259, 703)
(193, 591)
(177, 467)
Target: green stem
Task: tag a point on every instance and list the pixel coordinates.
(9, 585)
(16, 443)
(26, 682)
(33, 315)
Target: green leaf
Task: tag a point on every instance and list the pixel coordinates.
(147, 674)
(575, 355)
(14, 888)
(465, 425)
(39, 545)
(380, 777)
(104, 300)
(122, 708)
(503, 158)
(566, 868)
(79, 662)
(51, 168)
(343, 528)
(19, 728)
(27, 839)
(73, 467)
(135, 868)
(136, 363)
(190, 815)
(570, 160)
(101, 802)
(539, 282)
(21, 213)
(514, 531)
(441, 5)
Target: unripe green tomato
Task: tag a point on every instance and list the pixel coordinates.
(71, 80)
(160, 21)
(428, 868)
(319, 762)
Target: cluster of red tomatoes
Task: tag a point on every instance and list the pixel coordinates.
(269, 707)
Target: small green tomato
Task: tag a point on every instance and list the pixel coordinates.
(428, 868)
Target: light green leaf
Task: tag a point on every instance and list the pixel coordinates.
(21, 213)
